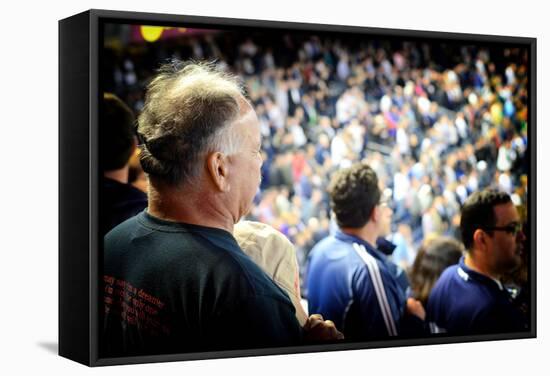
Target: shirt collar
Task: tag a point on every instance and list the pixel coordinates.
(217, 236)
(464, 270)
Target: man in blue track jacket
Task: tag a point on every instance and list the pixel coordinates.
(350, 282)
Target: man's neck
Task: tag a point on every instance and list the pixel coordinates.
(366, 233)
(479, 267)
(189, 206)
(120, 175)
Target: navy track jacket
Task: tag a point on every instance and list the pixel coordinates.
(356, 286)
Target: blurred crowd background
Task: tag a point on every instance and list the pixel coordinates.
(436, 120)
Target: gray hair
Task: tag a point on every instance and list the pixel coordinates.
(188, 112)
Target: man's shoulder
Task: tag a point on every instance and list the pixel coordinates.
(451, 274)
(330, 239)
(331, 247)
(176, 248)
(122, 231)
(457, 291)
(186, 256)
(445, 288)
(136, 232)
(450, 279)
(248, 272)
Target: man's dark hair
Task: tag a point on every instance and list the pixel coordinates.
(478, 213)
(354, 193)
(116, 130)
(188, 109)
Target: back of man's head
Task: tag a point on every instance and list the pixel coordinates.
(478, 213)
(188, 112)
(354, 193)
(116, 132)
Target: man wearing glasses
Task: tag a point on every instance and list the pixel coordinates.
(469, 297)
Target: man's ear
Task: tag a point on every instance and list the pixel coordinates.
(480, 238)
(375, 214)
(217, 167)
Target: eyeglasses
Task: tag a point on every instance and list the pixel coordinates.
(513, 229)
(384, 202)
(385, 198)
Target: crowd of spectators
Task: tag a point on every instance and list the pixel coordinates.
(435, 121)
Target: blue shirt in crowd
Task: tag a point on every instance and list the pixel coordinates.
(466, 302)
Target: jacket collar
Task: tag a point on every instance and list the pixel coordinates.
(354, 239)
(385, 246)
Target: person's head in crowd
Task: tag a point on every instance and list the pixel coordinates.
(117, 138)
(491, 230)
(433, 257)
(275, 254)
(120, 200)
(201, 142)
(358, 203)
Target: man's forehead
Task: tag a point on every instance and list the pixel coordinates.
(506, 213)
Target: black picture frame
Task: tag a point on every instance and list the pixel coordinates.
(79, 93)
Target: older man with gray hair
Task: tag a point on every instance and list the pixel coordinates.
(175, 279)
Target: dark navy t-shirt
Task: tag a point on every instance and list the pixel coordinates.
(466, 302)
(173, 287)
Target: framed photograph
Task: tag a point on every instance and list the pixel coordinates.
(234, 187)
